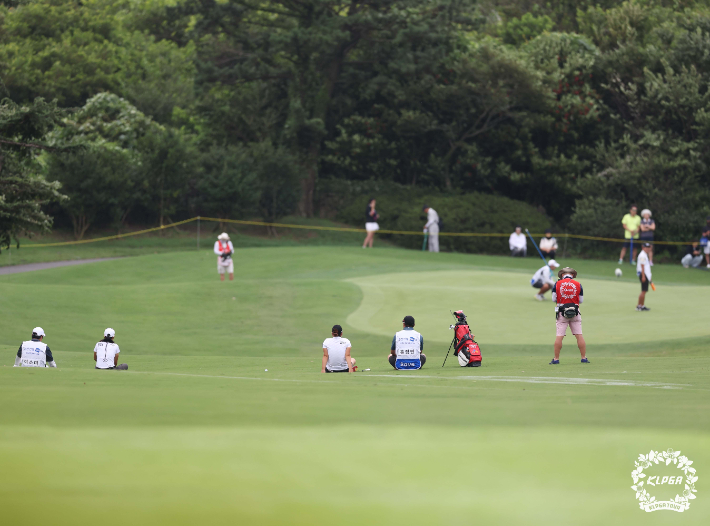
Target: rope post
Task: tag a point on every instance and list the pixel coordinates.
(198, 232)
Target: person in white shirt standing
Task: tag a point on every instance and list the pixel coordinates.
(543, 280)
(432, 228)
(643, 269)
(106, 353)
(336, 353)
(35, 353)
(224, 249)
(518, 243)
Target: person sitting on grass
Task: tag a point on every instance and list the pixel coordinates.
(568, 295)
(407, 346)
(106, 353)
(542, 279)
(34, 353)
(336, 353)
(693, 256)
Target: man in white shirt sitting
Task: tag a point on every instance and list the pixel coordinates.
(543, 280)
(224, 249)
(106, 353)
(336, 353)
(518, 243)
(432, 228)
(35, 353)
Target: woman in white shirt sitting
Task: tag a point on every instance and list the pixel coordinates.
(336, 353)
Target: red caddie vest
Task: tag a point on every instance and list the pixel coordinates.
(224, 248)
(567, 291)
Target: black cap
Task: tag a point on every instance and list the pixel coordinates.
(647, 245)
(548, 231)
(425, 207)
(408, 321)
(337, 329)
(707, 218)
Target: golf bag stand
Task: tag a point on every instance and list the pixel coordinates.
(466, 349)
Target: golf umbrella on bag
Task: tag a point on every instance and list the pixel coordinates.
(465, 347)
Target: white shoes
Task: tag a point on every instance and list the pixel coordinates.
(539, 297)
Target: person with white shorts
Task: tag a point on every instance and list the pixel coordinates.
(106, 353)
(371, 225)
(336, 353)
(224, 249)
(568, 295)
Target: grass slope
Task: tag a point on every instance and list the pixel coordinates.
(198, 432)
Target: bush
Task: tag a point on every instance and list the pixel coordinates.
(401, 209)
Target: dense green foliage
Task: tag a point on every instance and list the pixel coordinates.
(248, 109)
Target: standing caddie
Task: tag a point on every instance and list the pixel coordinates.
(407, 346)
(568, 295)
(224, 249)
(35, 353)
(106, 353)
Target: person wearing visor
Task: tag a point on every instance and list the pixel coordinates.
(407, 346)
(336, 353)
(224, 249)
(106, 353)
(568, 295)
(34, 352)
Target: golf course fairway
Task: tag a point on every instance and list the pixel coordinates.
(224, 417)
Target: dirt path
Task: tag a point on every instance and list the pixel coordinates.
(16, 269)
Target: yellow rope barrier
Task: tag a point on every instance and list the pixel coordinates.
(332, 229)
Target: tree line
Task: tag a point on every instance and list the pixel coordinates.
(118, 111)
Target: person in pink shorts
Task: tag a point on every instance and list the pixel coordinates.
(568, 295)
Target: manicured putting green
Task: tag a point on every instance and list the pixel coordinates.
(501, 308)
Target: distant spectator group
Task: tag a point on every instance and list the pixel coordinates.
(637, 231)
(697, 251)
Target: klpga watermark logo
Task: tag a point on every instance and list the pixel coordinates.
(645, 484)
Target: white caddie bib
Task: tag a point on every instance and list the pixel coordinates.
(408, 349)
(34, 354)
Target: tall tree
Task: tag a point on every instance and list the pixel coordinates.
(307, 51)
(23, 190)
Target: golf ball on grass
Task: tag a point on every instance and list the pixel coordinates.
(618, 272)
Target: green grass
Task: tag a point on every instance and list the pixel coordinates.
(197, 432)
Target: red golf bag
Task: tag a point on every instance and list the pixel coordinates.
(465, 347)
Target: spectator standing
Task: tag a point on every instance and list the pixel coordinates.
(548, 245)
(693, 256)
(518, 243)
(631, 223)
(371, 217)
(647, 228)
(432, 228)
(704, 241)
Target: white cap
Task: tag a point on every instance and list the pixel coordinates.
(223, 236)
(110, 333)
(552, 263)
(39, 331)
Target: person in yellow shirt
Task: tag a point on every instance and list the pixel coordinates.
(632, 224)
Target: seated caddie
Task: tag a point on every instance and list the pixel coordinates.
(407, 346)
(336, 353)
(106, 353)
(35, 353)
